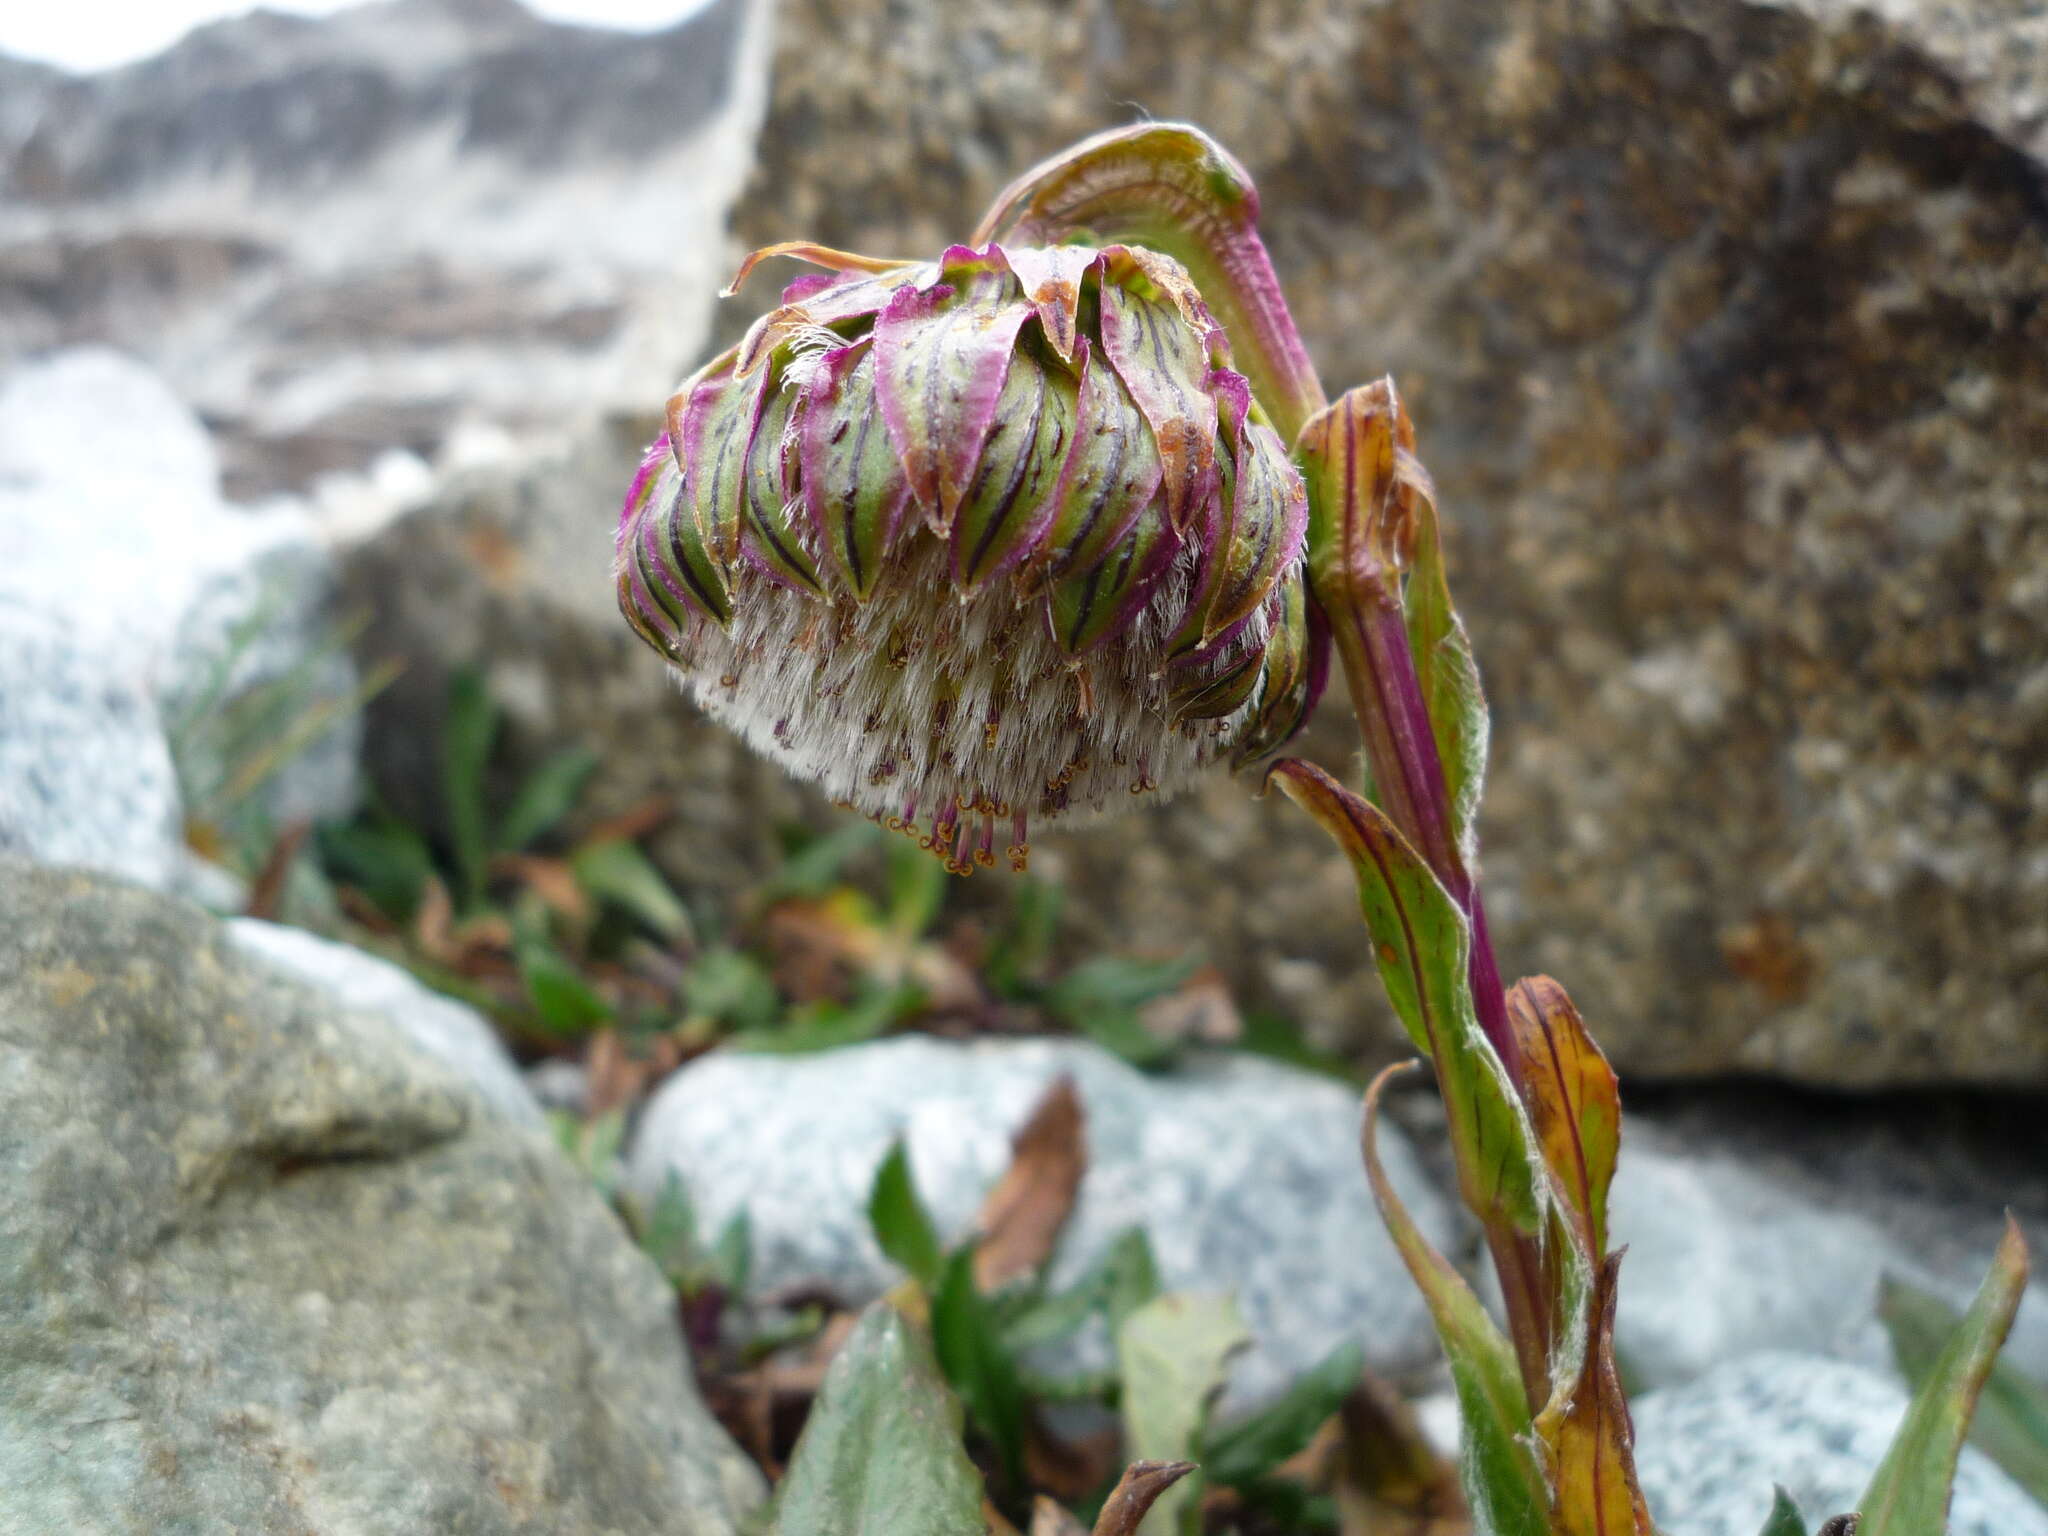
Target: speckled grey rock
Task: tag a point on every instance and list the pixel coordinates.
(438, 1025)
(1721, 324)
(85, 776)
(269, 1267)
(166, 594)
(1245, 1176)
(1730, 1253)
(1708, 1453)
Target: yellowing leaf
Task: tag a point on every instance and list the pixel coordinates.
(1589, 1440)
(1573, 1099)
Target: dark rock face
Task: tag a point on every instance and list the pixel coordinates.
(1724, 329)
(348, 235)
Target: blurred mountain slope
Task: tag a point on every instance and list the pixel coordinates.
(343, 235)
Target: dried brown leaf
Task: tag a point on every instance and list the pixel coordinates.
(433, 922)
(552, 880)
(266, 891)
(1201, 1011)
(1135, 1493)
(1021, 1218)
(631, 824)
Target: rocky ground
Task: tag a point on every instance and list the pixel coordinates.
(325, 351)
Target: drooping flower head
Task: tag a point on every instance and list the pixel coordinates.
(978, 542)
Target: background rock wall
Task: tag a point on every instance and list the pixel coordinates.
(1724, 332)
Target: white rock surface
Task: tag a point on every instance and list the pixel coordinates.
(1726, 1257)
(85, 777)
(1245, 1176)
(142, 608)
(442, 1027)
(1709, 1452)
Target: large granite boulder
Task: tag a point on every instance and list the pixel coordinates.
(269, 1266)
(1722, 324)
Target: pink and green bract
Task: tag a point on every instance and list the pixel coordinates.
(978, 542)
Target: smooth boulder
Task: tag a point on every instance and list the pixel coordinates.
(269, 1266)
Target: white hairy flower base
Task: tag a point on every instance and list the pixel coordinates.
(957, 721)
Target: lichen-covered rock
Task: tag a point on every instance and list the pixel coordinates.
(270, 1267)
(1243, 1174)
(1721, 324)
(1710, 1452)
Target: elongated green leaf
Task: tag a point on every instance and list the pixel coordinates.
(1172, 1352)
(902, 1228)
(826, 1026)
(977, 1361)
(620, 873)
(1785, 1519)
(549, 793)
(387, 860)
(917, 889)
(730, 986)
(1420, 939)
(1253, 1447)
(470, 729)
(2011, 1426)
(566, 1003)
(1909, 1495)
(732, 1256)
(880, 1454)
(1503, 1484)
